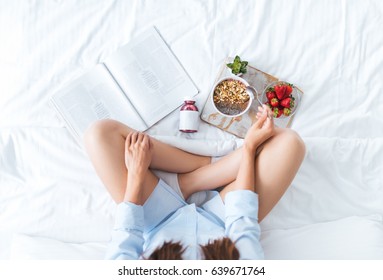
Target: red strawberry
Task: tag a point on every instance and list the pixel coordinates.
(289, 89)
(274, 102)
(286, 111)
(280, 91)
(277, 113)
(270, 95)
(287, 102)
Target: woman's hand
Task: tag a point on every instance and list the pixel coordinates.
(261, 130)
(138, 156)
(138, 152)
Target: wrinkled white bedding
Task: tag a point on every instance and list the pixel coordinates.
(333, 50)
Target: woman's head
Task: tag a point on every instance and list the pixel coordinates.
(221, 249)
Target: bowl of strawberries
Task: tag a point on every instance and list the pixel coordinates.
(282, 98)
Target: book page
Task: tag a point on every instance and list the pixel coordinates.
(151, 76)
(93, 97)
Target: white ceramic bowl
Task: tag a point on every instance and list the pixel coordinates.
(251, 95)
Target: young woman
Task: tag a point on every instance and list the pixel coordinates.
(180, 215)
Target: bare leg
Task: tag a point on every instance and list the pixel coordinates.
(105, 144)
(276, 165)
(275, 168)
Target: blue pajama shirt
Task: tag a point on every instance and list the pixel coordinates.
(138, 230)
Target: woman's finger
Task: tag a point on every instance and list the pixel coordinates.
(134, 138)
(268, 111)
(140, 137)
(146, 140)
(261, 119)
(269, 124)
(128, 141)
(270, 114)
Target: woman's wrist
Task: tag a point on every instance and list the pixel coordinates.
(132, 198)
(245, 177)
(250, 148)
(133, 191)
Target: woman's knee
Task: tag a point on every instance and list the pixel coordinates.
(291, 140)
(102, 130)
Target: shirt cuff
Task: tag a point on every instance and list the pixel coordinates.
(129, 216)
(241, 203)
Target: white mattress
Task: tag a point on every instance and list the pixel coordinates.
(333, 50)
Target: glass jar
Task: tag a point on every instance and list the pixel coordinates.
(189, 116)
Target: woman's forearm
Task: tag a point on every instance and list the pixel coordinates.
(246, 177)
(133, 192)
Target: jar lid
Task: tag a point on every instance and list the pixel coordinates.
(189, 98)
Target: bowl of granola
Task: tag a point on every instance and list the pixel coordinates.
(231, 96)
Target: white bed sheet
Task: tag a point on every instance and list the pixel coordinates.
(333, 50)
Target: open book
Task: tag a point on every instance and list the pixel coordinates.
(138, 85)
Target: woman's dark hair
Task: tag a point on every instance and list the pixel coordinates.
(221, 249)
(168, 251)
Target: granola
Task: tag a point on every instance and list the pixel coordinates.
(230, 97)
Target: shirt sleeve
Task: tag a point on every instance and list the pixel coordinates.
(127, 235)
(241, 223)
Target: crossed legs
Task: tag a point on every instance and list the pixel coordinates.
(276, 164)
